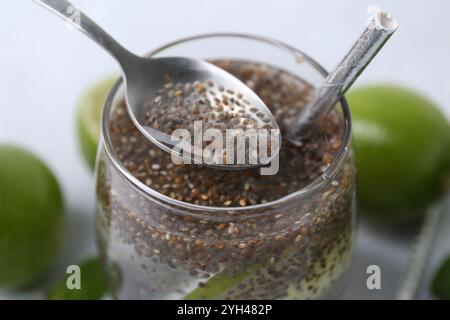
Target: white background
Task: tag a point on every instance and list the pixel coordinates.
(45, 67)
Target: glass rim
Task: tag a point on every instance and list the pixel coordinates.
(321, 180)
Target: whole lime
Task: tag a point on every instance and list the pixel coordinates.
(402, 144)
(31, 216)
(89, 113)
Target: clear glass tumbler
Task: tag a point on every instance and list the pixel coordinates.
(296, 247)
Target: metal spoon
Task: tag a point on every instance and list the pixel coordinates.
(144, 77)
(380, 28)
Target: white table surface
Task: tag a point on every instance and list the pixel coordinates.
(46, 66)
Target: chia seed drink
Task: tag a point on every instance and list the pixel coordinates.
(187, 231)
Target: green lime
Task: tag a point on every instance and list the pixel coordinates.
(217, 285)
(441, 281)
(89, 113)
(31, 216)
(402, 144)
(93, 281)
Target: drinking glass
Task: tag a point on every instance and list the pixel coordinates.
(296, 247)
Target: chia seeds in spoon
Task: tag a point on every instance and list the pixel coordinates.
(200, 106)
(178, 105)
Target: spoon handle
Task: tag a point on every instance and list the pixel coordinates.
(74, 16)
(378, 31)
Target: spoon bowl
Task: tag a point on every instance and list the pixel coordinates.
(141, 88)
